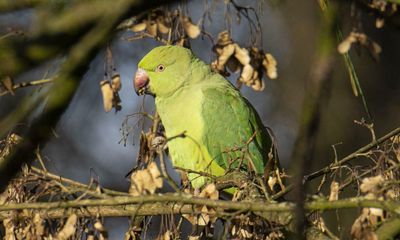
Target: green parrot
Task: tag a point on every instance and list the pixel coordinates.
(219, 129)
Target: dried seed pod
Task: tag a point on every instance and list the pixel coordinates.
(210, 191)
(374, 49)
(242, 55)
(151, 28)
(379, 22)
(116, 82)
(69, 228)
(162, 26)
(204, 217)
(180, 42)
(334, 194)
(246, 75)
(99, 226)
(371, 184)
(255, 76)
(224, 38)
(146, 180)
(258, 85)
(226, 53)
(38, 222)
(345, 45)
(90, 237)
(108, 95)
(269, 64)
(139, 27)
(191, 29)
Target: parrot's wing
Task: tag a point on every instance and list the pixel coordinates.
(233, 131)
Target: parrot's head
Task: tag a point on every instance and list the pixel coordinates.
(163, 71)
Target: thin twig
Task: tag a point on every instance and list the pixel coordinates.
(75, 183)
(28, 84)
(351, 156)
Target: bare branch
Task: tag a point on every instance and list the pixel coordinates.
(28, 84)
(351, 156)
(179, 203)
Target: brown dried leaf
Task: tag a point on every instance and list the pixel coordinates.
(224, 56)
(246, 75)
(395, 139)
(116, 82)
(69, 228)
(363, 226)
(139, 27)
(245, 234)
(203, 218)
(39, 226)
(360, 233)
(379, 22)
(155, 175)
(272, 181)
(90, 237)
(9, 227)
(224, 38)
(210, 191)
(334, 195)
(374, 49)
(242, 55)
(99, 226)
(163, 26)
(191, 29)
(269, 63)
(345, 45)
(371, 184)
(108, 95)
(146, 180)
(257, 83)
(151, 28)
(362, 38)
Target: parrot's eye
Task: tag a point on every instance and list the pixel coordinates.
(160, 68)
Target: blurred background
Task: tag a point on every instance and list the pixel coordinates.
(88, 143)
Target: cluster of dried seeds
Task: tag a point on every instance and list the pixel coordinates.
(158, 22)
(146, 181)
(251, 63)
(254, 227)
(383, 6)
(207, 214)
(109, 90)
(364, 226)
(361, 39)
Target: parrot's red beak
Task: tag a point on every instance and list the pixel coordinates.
(141, 82)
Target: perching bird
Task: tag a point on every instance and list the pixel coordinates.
(222, 131)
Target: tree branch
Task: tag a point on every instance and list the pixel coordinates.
(28, 84)
(351, 156)
(174, 203)
(71, 182)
